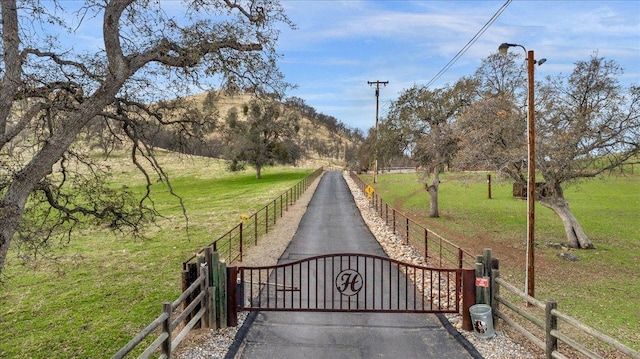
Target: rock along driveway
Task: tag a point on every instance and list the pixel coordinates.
(332, 224)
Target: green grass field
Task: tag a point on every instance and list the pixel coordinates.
(94, 294)
(601, 289)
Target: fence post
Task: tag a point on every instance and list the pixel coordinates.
(407, 230)
(266, 219)
(551, 323)
(215, 274)
(468, 297)
(255, 227)
(479, 271)
(222, 299)
(211, 306)
(208, 258)
(275, 215)
(185, 283)
(200, 260)
(394, 221)
(376, 201)
(495, 289)
(192, 275)
(440, 250)
(232, 296)
(166, 328)
(241, 227)
(204, 286)
(426, 245)
(488, 261)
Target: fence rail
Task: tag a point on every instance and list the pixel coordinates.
(204, 297)
(543, 330)
(437, 251)
(167, 322)
(231, 244)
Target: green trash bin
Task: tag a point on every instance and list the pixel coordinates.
(482, 320)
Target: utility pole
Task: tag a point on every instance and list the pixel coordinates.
(531, 165)
(375, 143)
(531, 175)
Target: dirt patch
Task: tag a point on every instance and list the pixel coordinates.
(512, 254)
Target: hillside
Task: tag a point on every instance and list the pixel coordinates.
(324, 139)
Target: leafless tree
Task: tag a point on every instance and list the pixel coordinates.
(53, 88)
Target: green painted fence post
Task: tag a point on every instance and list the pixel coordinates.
(215, 268)
(222, 299)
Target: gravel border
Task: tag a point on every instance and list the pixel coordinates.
(221, 343)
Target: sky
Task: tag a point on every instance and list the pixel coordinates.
(339, 46)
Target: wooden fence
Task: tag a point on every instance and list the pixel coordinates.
(544, 330)
(540, 322)
(206, 304)
(203, 301)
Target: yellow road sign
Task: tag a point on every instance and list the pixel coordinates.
(369, 191)
(244, 217)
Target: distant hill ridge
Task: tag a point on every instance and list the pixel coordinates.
(323, 137)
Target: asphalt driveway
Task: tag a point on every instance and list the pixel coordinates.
(332, 224)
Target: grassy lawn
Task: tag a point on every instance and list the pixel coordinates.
(601, 289)
(94, 294)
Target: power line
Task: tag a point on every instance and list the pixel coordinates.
(470, 43)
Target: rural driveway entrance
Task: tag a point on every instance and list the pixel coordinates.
(332, 224)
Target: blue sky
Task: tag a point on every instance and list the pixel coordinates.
(340, 45)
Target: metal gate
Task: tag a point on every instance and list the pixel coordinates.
(346, 282)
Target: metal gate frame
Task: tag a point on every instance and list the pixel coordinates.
(350, 282)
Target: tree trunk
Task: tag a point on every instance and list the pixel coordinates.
(9, 219)
(11, 210)
(576, 237)
(433, 195)
(258, 171)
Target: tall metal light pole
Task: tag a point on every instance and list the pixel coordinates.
(375, 144)
(531, 168)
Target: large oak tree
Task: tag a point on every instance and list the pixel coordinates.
(264, 133)
(425, 120)
(52, 89)
(586, 124)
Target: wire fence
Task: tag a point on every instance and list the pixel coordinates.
(436, 250)
(231, 244)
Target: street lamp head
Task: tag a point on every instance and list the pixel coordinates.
(541, 61)
(504, 47)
